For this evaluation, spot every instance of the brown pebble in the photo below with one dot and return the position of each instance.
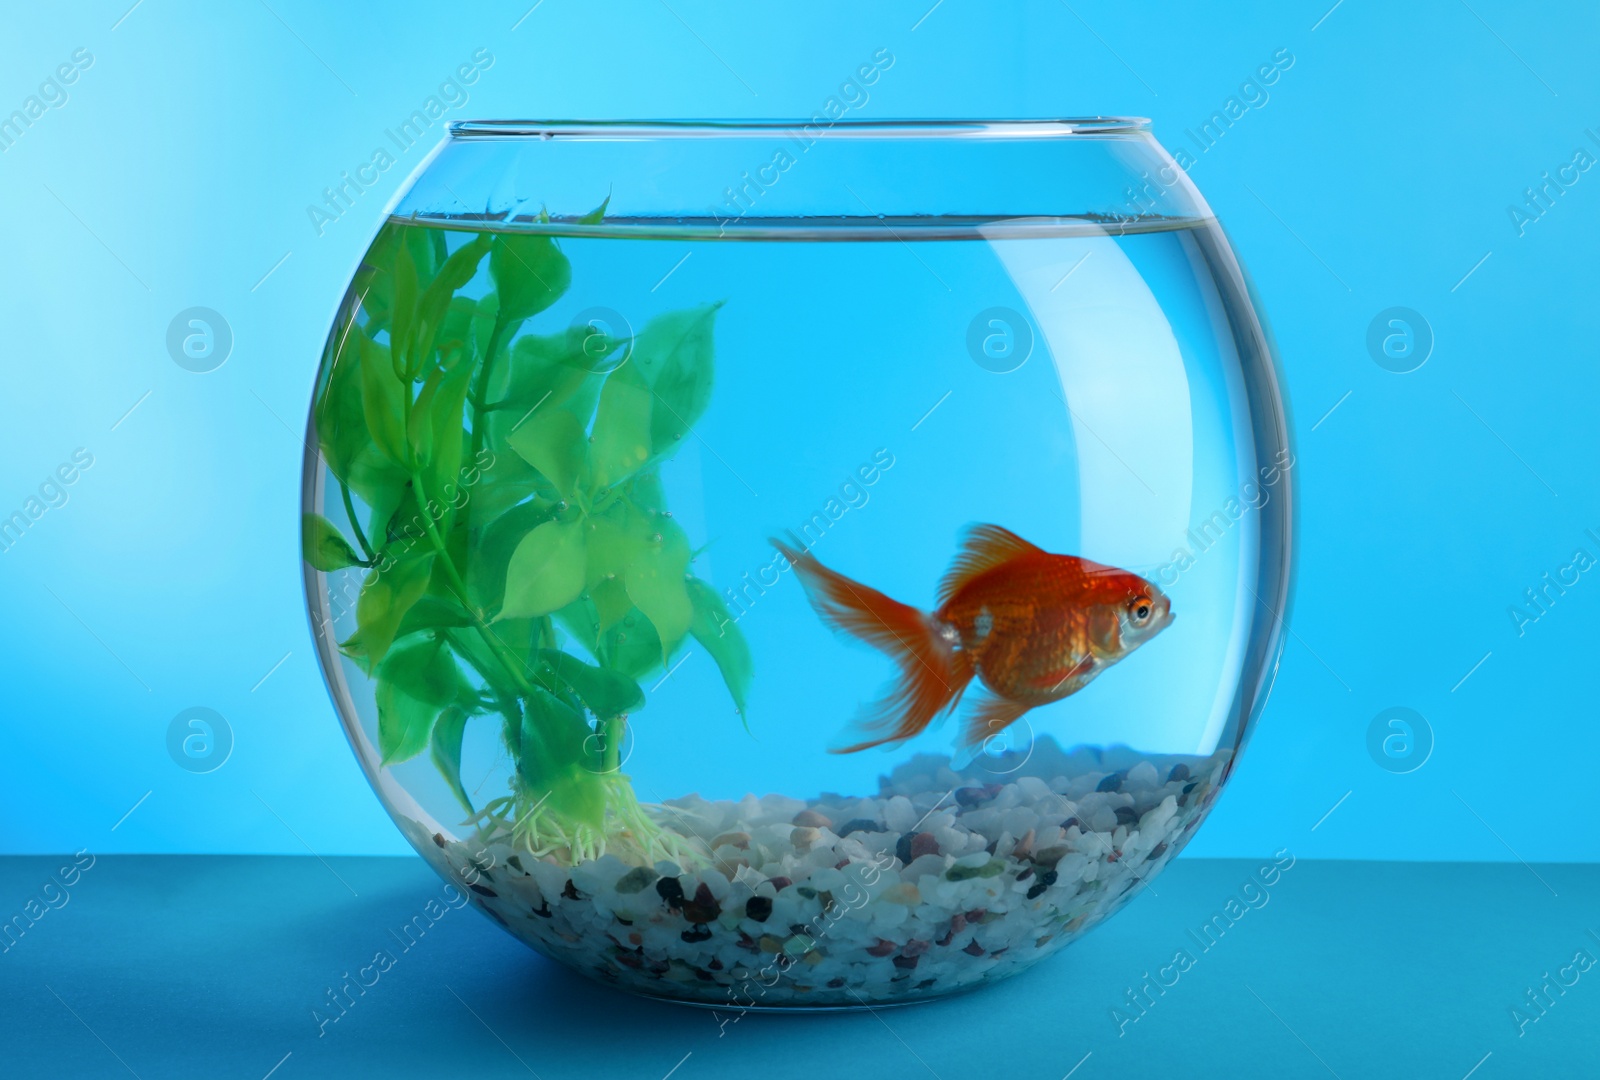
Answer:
(973, 948)
(779, 883)
(813, 819)
(914, 948)
(804, 836)
(636, 938)
(958, 923)
(740, 840)
(882, 948)
(703, 908)
(924, 843)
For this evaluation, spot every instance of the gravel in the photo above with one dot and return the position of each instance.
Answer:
(943, 880)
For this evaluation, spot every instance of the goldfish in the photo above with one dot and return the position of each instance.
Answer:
(1032, 627)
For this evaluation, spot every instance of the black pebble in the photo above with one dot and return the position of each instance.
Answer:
(482, 890)
(670, 890)
(1113, 782)
(1180, 772)
(698, 932)
(1047, 878)
(1070, 822)
(859, 824)
(758, 908)
(902, 847)
(1126, 815)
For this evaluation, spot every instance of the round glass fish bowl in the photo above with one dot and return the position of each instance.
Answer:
(803, 565)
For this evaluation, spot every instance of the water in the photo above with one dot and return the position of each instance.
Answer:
(872, 394)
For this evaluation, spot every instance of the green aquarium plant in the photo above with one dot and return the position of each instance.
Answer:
(502, 493)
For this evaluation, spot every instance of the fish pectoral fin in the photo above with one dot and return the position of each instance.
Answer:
(989, 717)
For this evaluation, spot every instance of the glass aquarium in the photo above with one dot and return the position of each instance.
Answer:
(800, 565)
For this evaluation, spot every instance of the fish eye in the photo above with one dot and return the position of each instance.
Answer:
(1141, 609)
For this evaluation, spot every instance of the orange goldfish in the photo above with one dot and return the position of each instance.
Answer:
(1033, 626)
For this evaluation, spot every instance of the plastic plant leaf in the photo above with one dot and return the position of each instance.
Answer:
(445, 748)
(620, 443)
(491, 555)
(456, 271)
(382, 400)
(632, 645)
(580, 620)
(456, 329)
(546, 570)
(611, 602)
(530, 273)
(614, 538)
(415, 681)
(432, 612)
(714, 628)
(675, 352)
(345, 439)
(650, 403)
(545, 371)
(404, 723)
(442, 414)
(484, 322)
(605, 693)
(553, 441)
(374, 281)
(402, 321)
(385, 598)
(323, 546)
(655, 583)
(424, 668)
(597, 215)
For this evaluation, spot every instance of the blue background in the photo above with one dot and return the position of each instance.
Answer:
(1378, 174)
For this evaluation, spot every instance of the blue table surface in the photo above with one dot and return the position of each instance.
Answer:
(191, 966)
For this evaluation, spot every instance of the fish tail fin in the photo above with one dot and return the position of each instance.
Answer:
(932, 673)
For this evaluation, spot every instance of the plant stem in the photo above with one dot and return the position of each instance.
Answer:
(459, 586)
(355, 522)
(480, 391)
(612, 731)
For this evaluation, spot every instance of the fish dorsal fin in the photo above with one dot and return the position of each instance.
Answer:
(983, 548)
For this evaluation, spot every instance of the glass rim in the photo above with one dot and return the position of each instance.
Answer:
(815, 127)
